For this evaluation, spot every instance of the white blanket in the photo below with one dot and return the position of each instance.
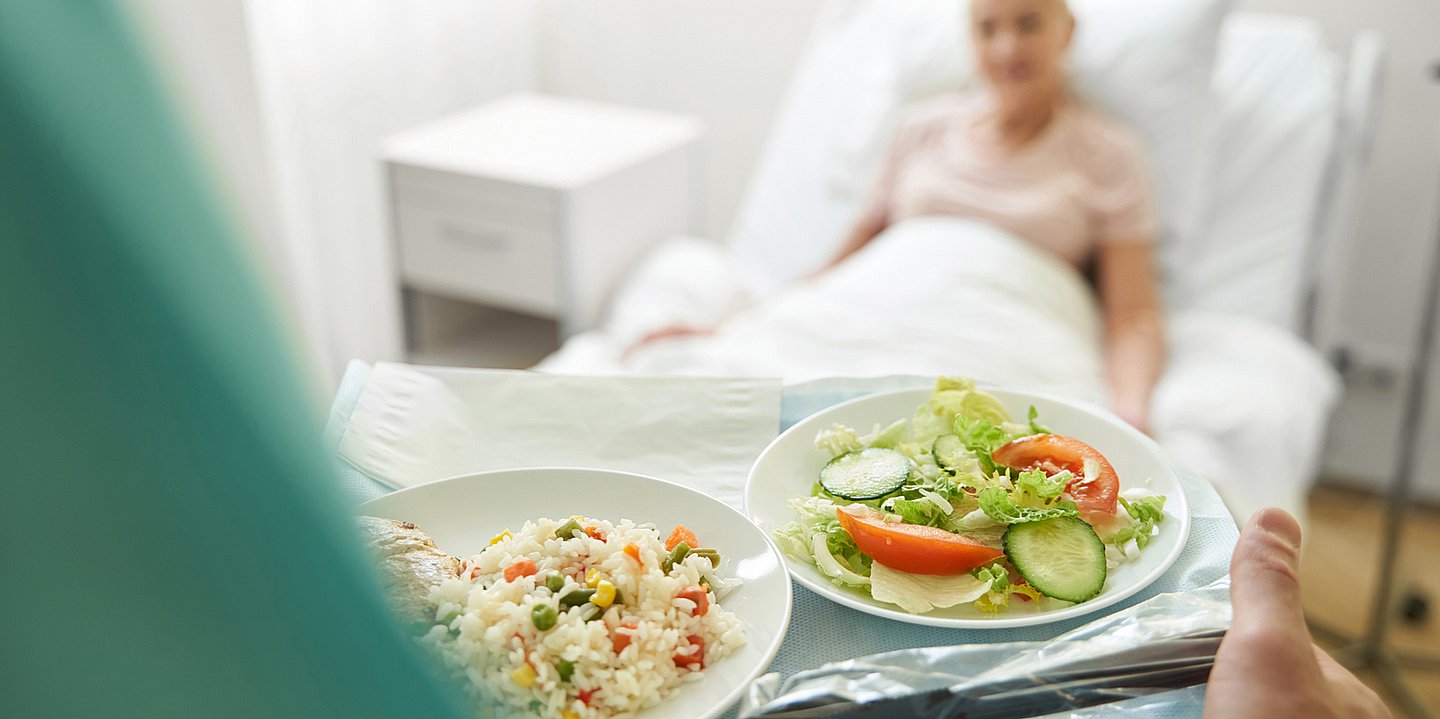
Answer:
(1243, 403)
(928, 296)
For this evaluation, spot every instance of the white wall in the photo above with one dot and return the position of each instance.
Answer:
(337, 76)
(1398, 228)
(726, 62)
(291, 100)
(202, 50)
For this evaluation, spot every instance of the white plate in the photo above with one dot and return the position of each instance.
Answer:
(791, 464)
(463, 513)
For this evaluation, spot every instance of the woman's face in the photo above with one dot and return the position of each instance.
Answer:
(1020, 46)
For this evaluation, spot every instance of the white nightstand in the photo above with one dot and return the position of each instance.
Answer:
(537, 204)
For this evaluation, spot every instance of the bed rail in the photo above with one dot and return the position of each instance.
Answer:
(1337, 224)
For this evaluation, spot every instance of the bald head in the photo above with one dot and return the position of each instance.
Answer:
(1020, 48)
(1059, 8)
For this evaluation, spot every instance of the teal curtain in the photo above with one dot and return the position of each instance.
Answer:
(172, 543)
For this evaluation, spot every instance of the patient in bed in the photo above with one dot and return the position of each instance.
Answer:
(1025, 155)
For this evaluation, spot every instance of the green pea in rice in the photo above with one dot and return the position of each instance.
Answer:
(486, 627)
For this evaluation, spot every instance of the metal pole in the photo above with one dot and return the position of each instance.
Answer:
(1397, 503)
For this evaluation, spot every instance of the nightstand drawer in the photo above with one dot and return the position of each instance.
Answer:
(478, 259)
(469, 184)
(508, 204)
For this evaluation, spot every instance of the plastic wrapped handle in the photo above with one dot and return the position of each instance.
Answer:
(1139, 658)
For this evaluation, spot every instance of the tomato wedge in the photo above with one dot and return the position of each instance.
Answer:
(915, 548)
(1055, 452)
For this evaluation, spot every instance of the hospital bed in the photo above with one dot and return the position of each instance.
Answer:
(1259, 134)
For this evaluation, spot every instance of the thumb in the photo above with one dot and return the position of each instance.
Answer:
(1265, 576)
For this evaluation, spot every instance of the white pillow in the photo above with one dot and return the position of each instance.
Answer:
(840, 95)
(1146, 61)
(1278, 85)
(1150, 63)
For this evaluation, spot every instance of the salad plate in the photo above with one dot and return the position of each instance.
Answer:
(463, 514)
(787, 474)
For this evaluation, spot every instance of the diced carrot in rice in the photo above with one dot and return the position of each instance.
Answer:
(681, 534)
(522, 568)
(699, 596)
(692, 656)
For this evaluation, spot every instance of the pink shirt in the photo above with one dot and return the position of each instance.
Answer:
(1079, 183)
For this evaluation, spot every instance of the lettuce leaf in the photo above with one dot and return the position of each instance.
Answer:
(918, 511)
(1037, 484)
(1147, 512)
(979, 405)
(816, 537)
(981, 437)
(839, 440)
(978, 526)
(1001, 589)
(1149, 509)
(842, 547)
(948, 383)
(1036, 427)
(831, 567)
(996, 503)
(889, 437)
(920, 593)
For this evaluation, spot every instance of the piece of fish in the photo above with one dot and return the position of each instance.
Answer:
(410, 565)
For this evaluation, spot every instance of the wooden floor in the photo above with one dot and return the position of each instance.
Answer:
(1340, 566)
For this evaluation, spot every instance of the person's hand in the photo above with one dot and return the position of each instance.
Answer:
(665, 333)
(1267, 667)
(1136, 418)
(1136, 414)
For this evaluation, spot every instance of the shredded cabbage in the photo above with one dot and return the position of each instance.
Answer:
(816, 537)
(981, 437)
(1036, 427)
(920, 593)
(887, 438)
(918, 511)
(999, 589)
(978, 526)
(839, 440)
(1147, 512)
(996, 503)
(831, 567)
(1040, 486)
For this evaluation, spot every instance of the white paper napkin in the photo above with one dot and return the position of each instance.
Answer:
(416, 424)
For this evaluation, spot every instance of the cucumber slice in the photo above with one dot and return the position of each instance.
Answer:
(867, 474)
(1061, 558)
(949, 451)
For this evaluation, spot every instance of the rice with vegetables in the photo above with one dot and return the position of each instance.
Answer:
(581, 618)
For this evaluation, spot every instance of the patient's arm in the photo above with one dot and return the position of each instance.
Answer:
(1134, 327)
(870, 225)
(668, 332)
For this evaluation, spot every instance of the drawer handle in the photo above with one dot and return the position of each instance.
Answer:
(473, 239)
